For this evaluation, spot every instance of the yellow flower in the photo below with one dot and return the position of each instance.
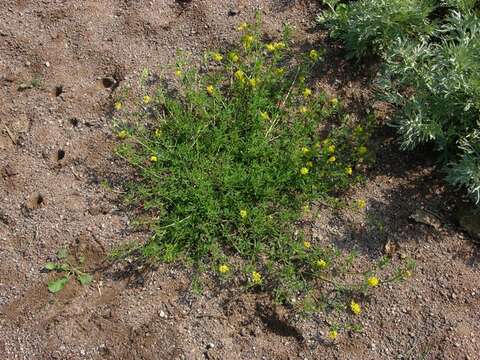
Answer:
(334, 102)
(243, 213)
(217, 57)
(270, 47)
(304, 171)
(248, 41)
(118, 105)
(178, 73)
(322, 264)
(373, 281)
(224, 269)
(158, 133)
(362, 150)
(122, 134)
(361, 203)
(348, 170)
(280, 71)
(153, 158)
(279, 45)
(310, 164)
(240, 75)
(355, 307)
(306, 209)
(331, 149)
(305, 150)
(253, 82)
(256, 278)
(147, 99)
(210, 89)
(242, 27)
(233, 57)
(408, 273)
(332, 159)
(264, 115)
(317, 145)
(307, 244)
(332, 334)
(303, 109)
(307, 92)
(314, 55)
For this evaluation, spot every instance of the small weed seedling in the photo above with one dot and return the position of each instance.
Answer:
(34, 83)
(65, 267)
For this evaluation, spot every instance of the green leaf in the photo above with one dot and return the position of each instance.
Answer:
(55, 286)
(63, 267)
(50, 266)
(84, 279)
(23, 87)
(62, 253)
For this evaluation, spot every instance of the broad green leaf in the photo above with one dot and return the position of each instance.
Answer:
(55, 286)
(84, 279)
(50, 266)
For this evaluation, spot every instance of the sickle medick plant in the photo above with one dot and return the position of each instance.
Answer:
(233, 153)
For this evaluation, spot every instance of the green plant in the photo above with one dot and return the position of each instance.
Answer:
(432, 77)
(34, 83)
(370, 27)
(233, 154)
(64, 265)
(444, 107)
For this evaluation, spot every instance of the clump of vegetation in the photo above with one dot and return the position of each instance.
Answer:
(371, 27)
(66, 266)
(36, 82)
(230, 157)
(431, 73)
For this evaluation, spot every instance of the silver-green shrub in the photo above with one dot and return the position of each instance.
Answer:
(431, 73)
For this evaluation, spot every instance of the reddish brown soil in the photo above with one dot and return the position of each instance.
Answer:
(47, 203)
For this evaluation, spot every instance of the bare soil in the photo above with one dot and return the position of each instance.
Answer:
(56, 151)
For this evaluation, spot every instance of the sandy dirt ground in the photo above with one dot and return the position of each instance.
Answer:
(56, 151)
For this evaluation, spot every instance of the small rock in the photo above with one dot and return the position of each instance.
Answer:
(210, 345)
(469, 220)
(34, 201)
(427, 218)
(47, 64)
